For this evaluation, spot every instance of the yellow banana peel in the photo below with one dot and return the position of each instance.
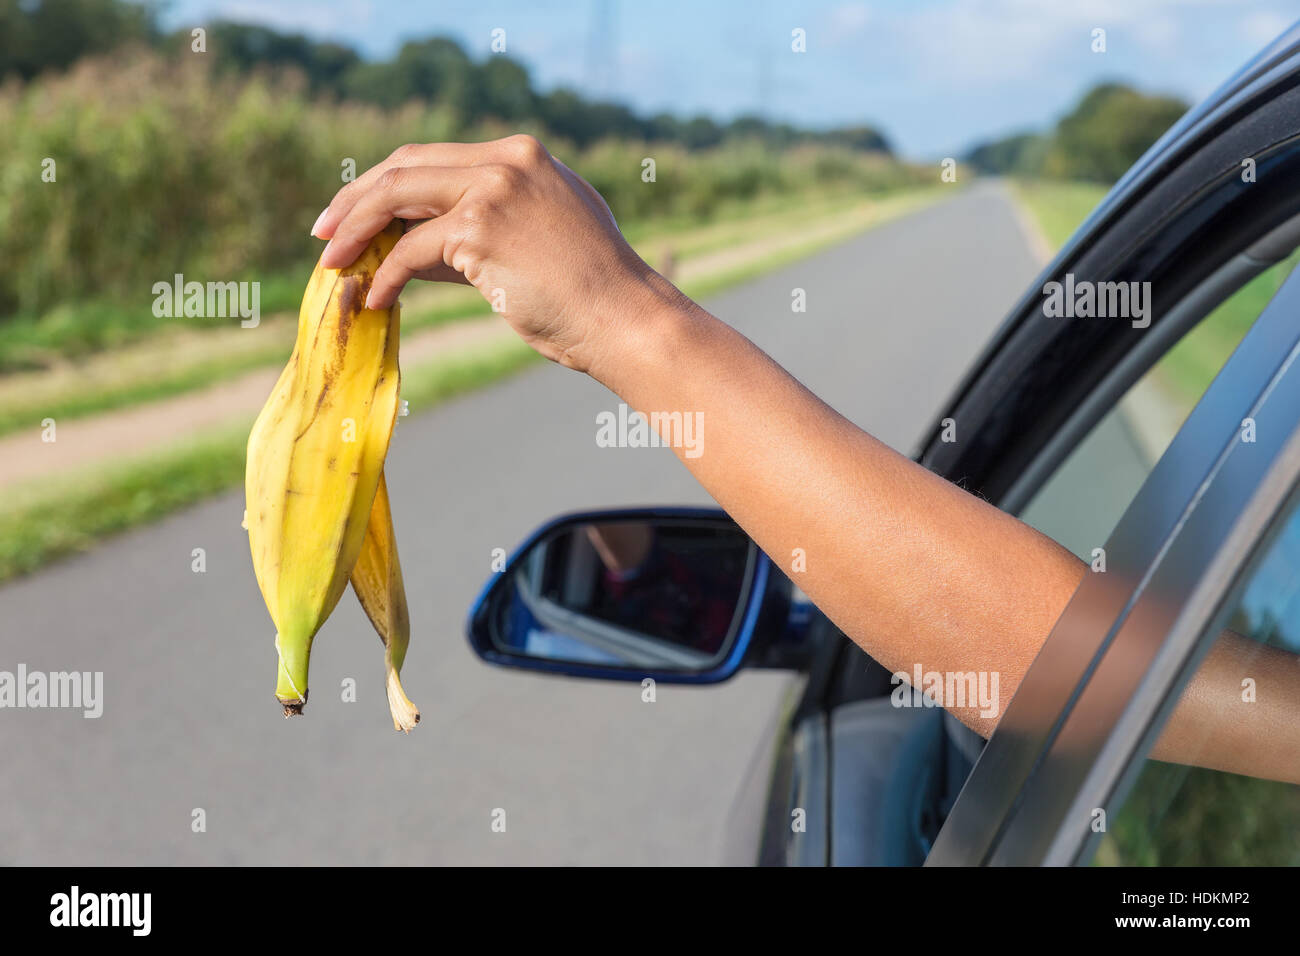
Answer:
(317, 505)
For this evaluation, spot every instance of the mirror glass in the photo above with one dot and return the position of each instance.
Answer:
(663, 593)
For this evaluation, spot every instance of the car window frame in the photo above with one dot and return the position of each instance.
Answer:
(1097, 693)
(1154, 220)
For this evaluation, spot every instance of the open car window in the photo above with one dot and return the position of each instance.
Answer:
(1053, 423)
(1083, 499)
(1199, 576)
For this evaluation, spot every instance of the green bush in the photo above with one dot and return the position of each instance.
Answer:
(166, 166)
(1108, 132)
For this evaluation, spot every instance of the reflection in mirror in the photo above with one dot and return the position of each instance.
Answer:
(663, 593)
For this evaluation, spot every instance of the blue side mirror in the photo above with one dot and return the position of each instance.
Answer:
(674, 594)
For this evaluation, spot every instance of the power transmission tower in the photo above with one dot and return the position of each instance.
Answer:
(602, 51)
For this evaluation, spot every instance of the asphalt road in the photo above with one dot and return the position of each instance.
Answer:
(585, 771)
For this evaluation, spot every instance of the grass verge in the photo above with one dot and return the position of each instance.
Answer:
(186, 360)
(1059, 208)
(46, 520)
(1187, 369)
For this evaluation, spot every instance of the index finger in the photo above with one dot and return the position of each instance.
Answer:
(412, 154)
(401, 192)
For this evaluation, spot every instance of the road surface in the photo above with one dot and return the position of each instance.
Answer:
(585, 771)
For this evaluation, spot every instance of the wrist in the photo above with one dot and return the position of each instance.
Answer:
(645, 334)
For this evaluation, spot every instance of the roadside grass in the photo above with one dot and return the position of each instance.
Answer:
(74, 331)
(1193, 816)
(182, 360)
(46, 519)
(82, 398)
(1187, 369)
(1058, 207)
(41, 522)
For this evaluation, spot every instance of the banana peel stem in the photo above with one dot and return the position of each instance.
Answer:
(287, 691)
(405, 714)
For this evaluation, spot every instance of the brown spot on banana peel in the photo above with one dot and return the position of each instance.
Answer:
(352, 299)
(343, 330)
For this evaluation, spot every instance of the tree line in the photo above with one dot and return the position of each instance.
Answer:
(1097, 141)
(36, 37)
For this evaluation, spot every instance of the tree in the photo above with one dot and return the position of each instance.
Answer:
(1020, 154)
(862, 138)
(436, 70)
(54, 34)
(506, 88)
(36, 35)
(701, 132)
(243, 47)
(1108, 131)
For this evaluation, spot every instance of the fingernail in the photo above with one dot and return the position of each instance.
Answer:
(370, 299)
(319, 219)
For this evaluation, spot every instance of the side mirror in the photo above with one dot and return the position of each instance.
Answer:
(676, 594)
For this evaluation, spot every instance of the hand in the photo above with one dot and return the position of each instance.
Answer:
(536, 240)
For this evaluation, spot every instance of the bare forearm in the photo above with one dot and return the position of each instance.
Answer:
(913, 569)
(1237, 713)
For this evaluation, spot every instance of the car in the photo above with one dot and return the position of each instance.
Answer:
(1186, 509)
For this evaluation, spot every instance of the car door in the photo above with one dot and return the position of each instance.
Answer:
(1057, 423)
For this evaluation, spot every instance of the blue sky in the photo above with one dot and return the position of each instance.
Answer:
(935, 75)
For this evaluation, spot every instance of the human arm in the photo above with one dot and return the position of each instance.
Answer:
(910, 567)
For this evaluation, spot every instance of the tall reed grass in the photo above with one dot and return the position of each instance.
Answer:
(163, 167)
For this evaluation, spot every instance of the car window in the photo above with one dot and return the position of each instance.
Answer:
(1084, 498)
(1063, 717)
(1176, 815)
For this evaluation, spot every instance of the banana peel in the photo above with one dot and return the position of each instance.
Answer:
(314, 473)
(377, 581)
